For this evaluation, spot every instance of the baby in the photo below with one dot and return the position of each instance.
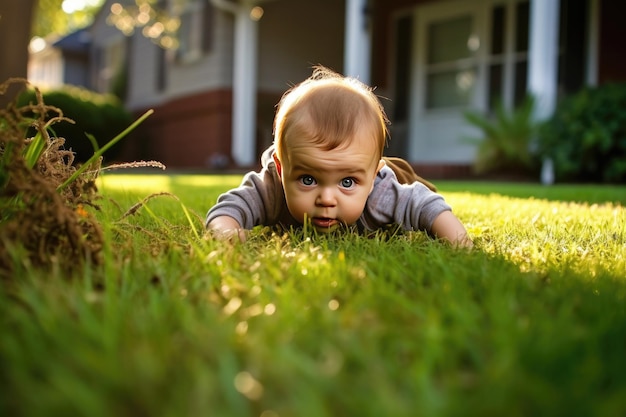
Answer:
(326, 167)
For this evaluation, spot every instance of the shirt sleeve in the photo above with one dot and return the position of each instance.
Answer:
(413, 206)
(256, 201)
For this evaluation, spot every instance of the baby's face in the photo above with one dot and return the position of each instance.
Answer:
(329, 187)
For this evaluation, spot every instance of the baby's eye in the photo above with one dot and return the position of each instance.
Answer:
(347, 182)
(307, 180)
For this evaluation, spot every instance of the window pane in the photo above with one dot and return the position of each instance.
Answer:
(449, 89)
(184, 33)
(111, 61)
(207, 26)
(521, 27)
(449, 40)
(495, 85)
(521, 73)
(497, 32)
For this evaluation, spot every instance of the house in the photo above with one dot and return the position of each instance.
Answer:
(214, 96)
(54, 62)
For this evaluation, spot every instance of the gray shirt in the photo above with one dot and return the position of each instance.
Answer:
(260, 200)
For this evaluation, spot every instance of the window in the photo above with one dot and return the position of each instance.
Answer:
(508, 54)
(195, 32)
(110, 63)
(496, 67)
(450, 62)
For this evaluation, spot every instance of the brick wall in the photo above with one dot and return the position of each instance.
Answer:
(189, 132)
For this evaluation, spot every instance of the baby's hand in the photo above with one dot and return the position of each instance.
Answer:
(230, 235)
(226, 228)
(447, 226)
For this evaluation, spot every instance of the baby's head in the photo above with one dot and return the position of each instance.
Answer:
(326, 110)
(329, 132)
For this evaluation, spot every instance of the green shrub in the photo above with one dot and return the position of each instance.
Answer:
(504, 146)
(101, 116)
(586, 137)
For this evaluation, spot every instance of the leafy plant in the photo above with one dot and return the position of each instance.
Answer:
(505, 144)
(586, 137)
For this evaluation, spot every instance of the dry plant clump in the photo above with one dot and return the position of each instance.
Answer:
(45, 221)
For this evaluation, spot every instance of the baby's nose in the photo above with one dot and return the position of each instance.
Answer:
(326, 197)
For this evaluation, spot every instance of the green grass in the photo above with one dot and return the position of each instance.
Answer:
(530, 322)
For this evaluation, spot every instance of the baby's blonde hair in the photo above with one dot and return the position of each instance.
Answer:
(327, 109)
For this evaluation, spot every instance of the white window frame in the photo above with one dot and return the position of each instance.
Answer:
(509, 57)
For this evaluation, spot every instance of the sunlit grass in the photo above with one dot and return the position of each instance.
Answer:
(158, 182)
(196, 192)
(544, 234)
(191, 188)
(530, 322)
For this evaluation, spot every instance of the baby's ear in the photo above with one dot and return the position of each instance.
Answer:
(279, 167)
(381, 164)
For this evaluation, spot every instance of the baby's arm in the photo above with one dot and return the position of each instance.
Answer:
(226, 228)
(448, 227)
(253, 203)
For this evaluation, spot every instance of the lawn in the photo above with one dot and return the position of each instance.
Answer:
(532, 321)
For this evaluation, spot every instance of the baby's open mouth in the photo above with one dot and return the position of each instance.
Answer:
(324, 222)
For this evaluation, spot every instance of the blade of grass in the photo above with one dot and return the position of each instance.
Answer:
(34, 150)
(93, 141)
(188, 216)
(102, 150)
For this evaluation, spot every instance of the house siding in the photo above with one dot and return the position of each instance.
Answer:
(73, 71)
(212, 70)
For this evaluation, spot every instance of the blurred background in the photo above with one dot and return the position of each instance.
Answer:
(465, 83)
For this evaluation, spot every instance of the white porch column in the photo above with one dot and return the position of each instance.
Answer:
(243, 143)
(543, 55)
(592, 43)
(357, 41)
(244, 88)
